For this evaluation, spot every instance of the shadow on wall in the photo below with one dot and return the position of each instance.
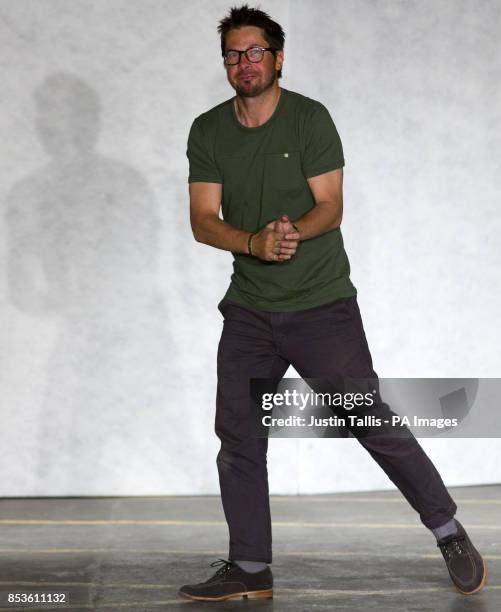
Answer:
(82, 245)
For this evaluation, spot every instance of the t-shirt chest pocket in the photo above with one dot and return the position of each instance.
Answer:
(283, 171)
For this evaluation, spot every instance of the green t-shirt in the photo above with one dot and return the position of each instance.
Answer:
(263, 171)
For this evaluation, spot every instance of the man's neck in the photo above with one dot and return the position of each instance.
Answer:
(253, 112)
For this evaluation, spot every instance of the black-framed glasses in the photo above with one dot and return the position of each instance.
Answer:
(254, 54)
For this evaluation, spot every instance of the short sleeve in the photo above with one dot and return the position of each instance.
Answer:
(323, 150)
(202, 165)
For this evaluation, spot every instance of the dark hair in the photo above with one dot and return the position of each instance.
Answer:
(245, 16)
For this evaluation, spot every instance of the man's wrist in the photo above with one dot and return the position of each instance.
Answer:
(249, 244)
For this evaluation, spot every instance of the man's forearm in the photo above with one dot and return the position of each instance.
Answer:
(215, 232)
(322, 218)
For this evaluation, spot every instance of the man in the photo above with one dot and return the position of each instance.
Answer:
(274, 160)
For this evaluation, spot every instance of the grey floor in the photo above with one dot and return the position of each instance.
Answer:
(358, 551)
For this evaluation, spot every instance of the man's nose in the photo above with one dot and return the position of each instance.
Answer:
(244, 60)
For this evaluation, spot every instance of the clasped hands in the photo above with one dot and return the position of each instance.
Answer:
(277, 241)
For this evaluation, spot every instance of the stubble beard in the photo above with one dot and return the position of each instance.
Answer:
(257, 89)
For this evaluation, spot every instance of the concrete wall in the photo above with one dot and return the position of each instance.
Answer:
(108, 306)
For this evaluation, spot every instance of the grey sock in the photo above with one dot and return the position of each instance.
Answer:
(251, 566)
(445, 530)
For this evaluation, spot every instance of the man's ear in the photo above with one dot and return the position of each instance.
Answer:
(279, 60)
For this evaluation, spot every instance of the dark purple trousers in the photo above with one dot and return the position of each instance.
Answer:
(322, 342)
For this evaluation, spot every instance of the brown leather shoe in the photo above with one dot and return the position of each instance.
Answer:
(465, 564)
(231, 582)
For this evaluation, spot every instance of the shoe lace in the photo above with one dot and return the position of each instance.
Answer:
(452, 545)
(226, 565)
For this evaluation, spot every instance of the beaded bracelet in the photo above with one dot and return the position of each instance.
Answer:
(249, 244)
